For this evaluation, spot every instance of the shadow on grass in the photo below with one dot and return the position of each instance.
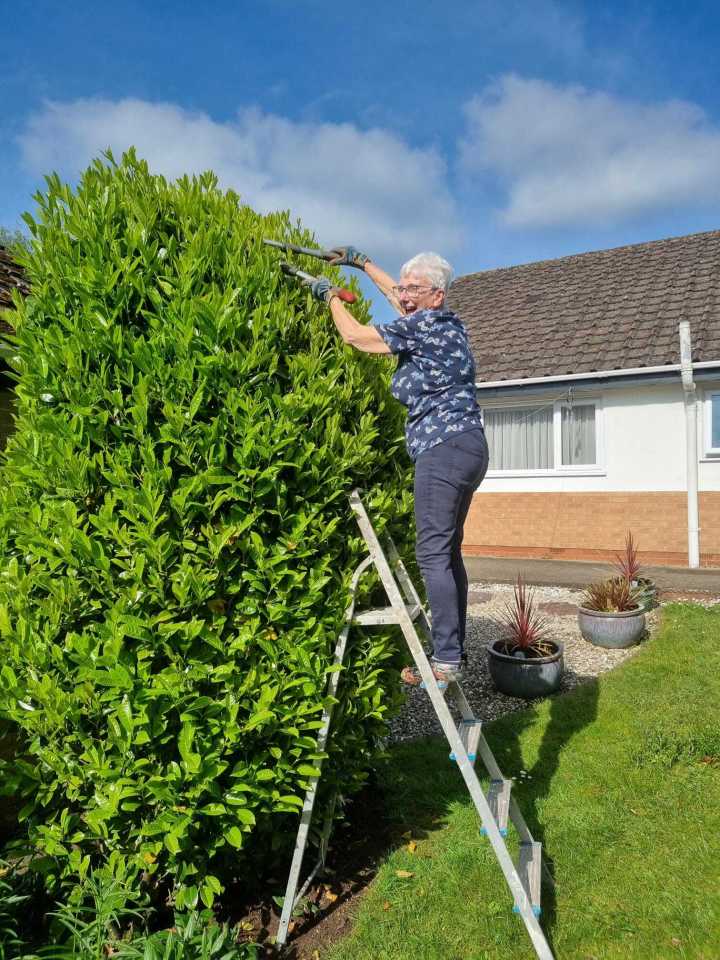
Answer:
(421, 786)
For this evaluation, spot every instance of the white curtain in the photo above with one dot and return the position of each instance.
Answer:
(520, 438)
(715, 421)
(578, 435)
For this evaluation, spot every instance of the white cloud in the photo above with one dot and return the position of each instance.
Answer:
(367, 187)
(568, 155)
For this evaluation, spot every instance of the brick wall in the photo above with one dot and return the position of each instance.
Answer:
(590, 526)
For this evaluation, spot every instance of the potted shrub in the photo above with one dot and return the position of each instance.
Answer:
(628, 567)
(524, 662)
(612, 614)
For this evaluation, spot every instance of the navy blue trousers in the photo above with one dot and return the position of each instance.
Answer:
(446, 477)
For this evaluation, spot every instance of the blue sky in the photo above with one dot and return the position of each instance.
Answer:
(493, 132)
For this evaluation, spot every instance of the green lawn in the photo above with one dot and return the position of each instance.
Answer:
(619, 779)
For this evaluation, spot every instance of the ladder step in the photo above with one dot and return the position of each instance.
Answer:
(469, 731)
(528, 868)
(384, 615)
(498, 798)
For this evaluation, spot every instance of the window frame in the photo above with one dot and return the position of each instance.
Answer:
(597, 469)
(709, 452)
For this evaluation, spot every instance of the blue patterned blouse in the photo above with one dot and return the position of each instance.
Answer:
(435, 377)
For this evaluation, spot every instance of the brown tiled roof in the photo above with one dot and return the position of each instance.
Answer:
(609, 310)
(11, 278)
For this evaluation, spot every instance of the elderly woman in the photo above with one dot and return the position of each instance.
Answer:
(435, 380)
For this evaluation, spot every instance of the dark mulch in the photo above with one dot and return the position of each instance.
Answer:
(558, 608)
(357, 847)
(681, 596)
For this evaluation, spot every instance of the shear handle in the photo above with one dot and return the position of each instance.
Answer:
(308, 251)
(347, 295)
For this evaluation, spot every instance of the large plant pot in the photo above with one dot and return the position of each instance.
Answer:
(526, 678)
(614, 630)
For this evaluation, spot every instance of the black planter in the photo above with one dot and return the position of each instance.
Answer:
(526, 678)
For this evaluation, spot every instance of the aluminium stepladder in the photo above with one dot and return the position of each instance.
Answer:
(466, 742)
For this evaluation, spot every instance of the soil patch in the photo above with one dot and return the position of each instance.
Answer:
(558, 608)
(689, 596)
(358, 845)
(479, 596)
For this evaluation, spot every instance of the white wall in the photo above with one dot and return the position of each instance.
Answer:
(641, 440)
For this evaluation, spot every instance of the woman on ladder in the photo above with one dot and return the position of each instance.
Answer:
(435, 380)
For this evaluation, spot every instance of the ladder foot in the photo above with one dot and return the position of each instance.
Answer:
(536, 910)
(503, 832)
(471, 757)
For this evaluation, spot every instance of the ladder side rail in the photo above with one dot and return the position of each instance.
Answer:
(518, 821)
(400, 571)
(311, 792)
(443, 714)
(387, 576)
(460, 699)
(408, 588)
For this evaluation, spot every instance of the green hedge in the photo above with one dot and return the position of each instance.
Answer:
(176, 535)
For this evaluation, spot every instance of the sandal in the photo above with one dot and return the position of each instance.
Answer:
(444, 674)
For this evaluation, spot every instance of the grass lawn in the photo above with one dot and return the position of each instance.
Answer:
(620, 780)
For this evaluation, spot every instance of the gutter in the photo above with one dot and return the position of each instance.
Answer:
(690, 397)
(594, 375)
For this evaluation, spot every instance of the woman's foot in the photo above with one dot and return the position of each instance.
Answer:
(444, 673)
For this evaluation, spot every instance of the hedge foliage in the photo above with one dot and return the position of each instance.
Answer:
(176, 539)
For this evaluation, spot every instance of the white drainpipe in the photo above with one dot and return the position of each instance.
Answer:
(686, 372)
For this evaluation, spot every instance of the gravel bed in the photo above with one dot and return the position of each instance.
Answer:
(486, 603)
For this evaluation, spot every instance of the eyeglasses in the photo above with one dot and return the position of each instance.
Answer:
(412, 290)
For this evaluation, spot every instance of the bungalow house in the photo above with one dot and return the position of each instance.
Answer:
(579, 369)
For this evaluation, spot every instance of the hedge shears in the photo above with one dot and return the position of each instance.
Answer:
(290, 269)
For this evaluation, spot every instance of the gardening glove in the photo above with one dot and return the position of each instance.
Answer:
(322, 289)
(349, 257)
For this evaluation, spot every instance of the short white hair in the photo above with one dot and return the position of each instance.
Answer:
(430, 265)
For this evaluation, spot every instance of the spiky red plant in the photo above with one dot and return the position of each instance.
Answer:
(526, 627)
(627, 563)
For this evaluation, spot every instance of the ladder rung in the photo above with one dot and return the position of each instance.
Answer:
(498, 798)
(384, 615)
(469, 731)
(528, 868)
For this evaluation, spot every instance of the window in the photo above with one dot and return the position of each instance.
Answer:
(578, 434)
(520, 438)
(712, 422)
(554, 436)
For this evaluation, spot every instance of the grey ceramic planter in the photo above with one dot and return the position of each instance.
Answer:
(613, 630)
(536, 677)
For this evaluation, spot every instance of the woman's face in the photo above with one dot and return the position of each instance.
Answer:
(416, 292)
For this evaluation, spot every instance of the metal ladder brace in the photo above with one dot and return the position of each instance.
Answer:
(466, 742)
